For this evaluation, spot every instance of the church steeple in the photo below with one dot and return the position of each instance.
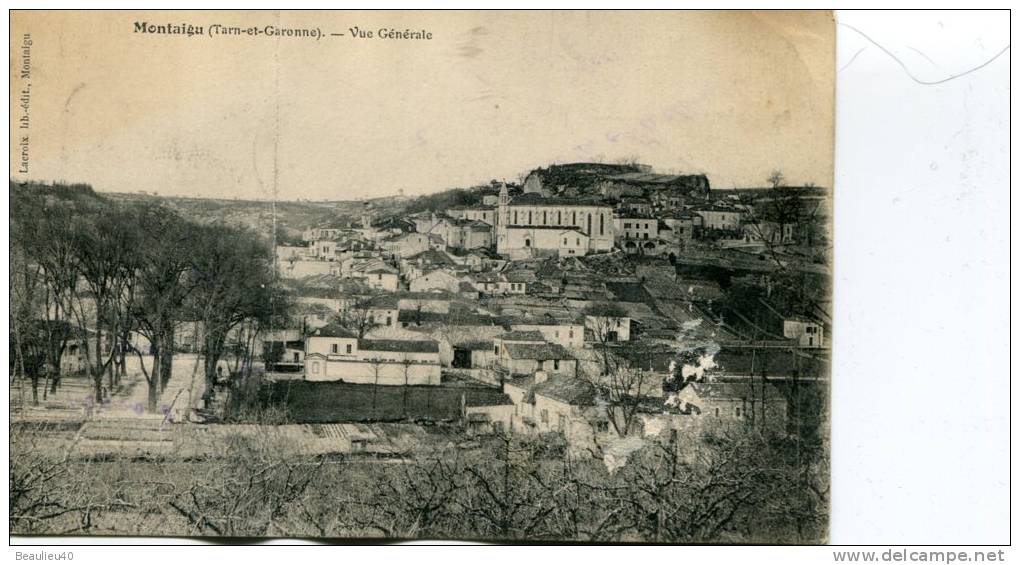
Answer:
(502, 216)
(504, 195)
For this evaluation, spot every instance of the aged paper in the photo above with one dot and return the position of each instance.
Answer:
(559, 275)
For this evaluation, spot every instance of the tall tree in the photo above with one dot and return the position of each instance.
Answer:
(104, 245)
(163, 267)
(233, 283)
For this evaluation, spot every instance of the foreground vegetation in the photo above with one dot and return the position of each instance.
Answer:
(733, 488)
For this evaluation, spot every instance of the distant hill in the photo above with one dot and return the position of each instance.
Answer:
(78, 194)
(291, 217)
(610, 180)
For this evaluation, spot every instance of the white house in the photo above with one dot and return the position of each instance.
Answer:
(435, 279)
(378, 276)
(608, 328)
(719, 218)
(561, 404)
(335, 354)
(407, 244)
(566, 334)
(496, 284)
(480, 213)
(522, 353)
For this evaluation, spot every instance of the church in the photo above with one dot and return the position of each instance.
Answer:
(531, 225)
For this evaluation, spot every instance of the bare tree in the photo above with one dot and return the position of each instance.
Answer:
(621, 391)
(158, 291)
(415, 500)
(506, 494)
(254, 489)
(605, 319)
(53, 489)
(357, 316)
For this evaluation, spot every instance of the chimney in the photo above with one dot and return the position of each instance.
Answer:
(541, 377)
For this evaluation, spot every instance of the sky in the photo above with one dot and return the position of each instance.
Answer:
(734, 95)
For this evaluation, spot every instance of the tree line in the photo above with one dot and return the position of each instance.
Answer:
(109, 277)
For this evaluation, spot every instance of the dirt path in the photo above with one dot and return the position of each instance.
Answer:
(74, 399)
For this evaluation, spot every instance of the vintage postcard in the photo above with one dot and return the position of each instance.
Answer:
(520, 276)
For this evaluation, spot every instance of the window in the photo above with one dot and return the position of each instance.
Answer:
(578, 242)
(571, 334)
(348, 349)
(495, 350)
(544, 217)
(557, 334)
(574, 221)
(559, 218)
(545, 416)
(334, 348)
(738, 412)
(602, 224)
(389, 320)
(515, 216)
(564, 241)
(529, 217)
(315, 368)
(556, 364)
(626, 225)
(561, 422)
(601, 427)
(717, 412)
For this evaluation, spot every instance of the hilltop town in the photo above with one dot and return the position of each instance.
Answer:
(603, 314)
(554, 290)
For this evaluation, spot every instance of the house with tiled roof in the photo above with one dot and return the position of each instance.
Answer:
(521, 353)
(719, 218)
(406, 245)
(477, 212)
(741, 403)
(437, 278)
(555, 403)
(375, 273)
(488, 414)
(495, 284)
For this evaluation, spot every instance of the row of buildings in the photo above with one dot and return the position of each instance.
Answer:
(520, 292)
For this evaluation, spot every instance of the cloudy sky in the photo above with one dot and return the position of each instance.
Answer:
(492, 95)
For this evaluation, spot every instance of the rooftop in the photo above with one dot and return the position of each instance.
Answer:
(487, 400)
(535, 199)
(566, 389)
(525, 335)
(334, 330)
(537, 351)
(421, 346)
(734, 391)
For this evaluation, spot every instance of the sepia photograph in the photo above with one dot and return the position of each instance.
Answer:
(385, 276)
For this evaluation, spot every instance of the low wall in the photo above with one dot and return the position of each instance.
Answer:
(330, 402)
